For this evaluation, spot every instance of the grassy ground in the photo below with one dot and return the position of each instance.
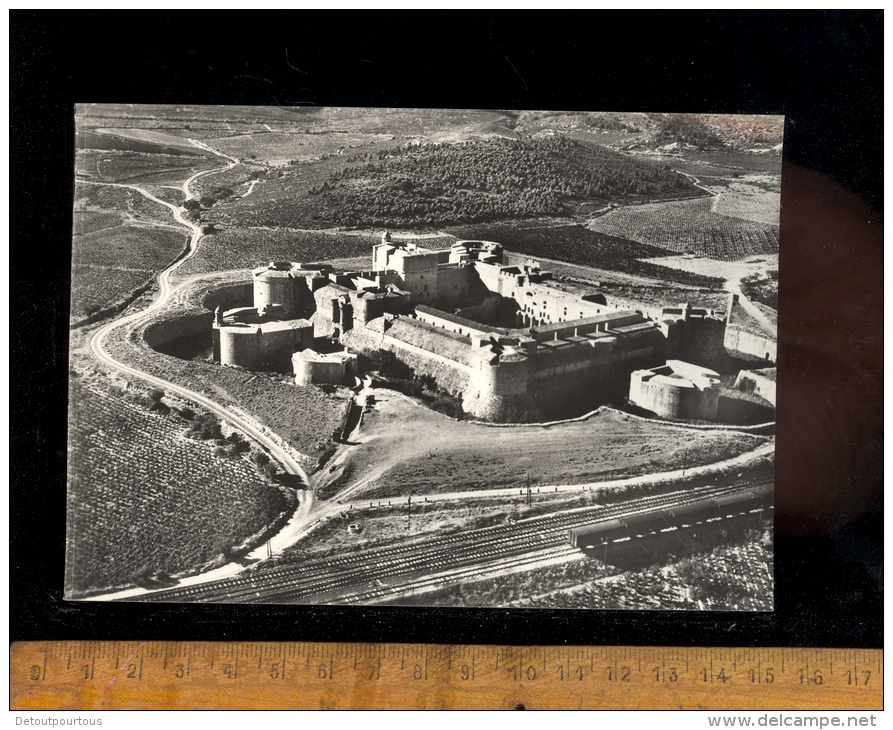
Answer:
(406, 447)
(144, 498)
(754, 197)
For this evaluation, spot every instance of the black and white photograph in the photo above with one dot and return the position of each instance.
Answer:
(423, 357)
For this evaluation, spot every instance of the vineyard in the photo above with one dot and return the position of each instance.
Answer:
(690, 226)
(305, 417)
(172, 195)
(108, 264)
(246, 248)
(90, 221)
(733, 577)
(579, 245)
(738, 577)
(145, 499)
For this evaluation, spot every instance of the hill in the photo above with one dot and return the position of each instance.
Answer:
(481, 180)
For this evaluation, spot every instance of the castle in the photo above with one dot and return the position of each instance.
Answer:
(505, 337)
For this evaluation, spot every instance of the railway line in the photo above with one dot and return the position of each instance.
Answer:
(342, 578)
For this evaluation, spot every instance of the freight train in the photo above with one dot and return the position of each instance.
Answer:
(749, 506)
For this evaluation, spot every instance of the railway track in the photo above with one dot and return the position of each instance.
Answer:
(335, 579)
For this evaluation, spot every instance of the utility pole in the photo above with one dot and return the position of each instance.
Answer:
(409, 512)
(528, 489)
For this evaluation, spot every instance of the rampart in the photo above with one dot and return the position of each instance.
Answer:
(677, 390)
(759, 347)
(161, 332)
(507, 339)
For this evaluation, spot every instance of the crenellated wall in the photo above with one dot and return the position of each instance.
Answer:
(740, 342)
(162, 331)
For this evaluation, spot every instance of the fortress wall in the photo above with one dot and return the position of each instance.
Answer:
(670, 401)
(161, 332)
(420, 277)
(464, 328)
(456, 284)
(230, 296)
(450, 375)
(484, 311)
(245, 347)
(431, 339)
(277, 287)
(319, 373)
(738, 341)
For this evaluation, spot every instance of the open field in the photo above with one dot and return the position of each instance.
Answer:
(753, 197)
(405, 446)
(690, 226)
(135, 140)
(139, 167)
(279, 148)
(716, 268)
(109, 263)
(145, 499)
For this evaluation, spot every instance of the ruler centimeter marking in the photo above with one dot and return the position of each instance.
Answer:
(210, 675)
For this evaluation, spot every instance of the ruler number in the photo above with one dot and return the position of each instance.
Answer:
(665, 676)
(578, 671)
(182, 671)
(34, 674)
(721, 677)
(529, 673)
(814, 678)
(325, 672)
(277, 670)
(767, 678)
(852, 678)
(465, 672)
(615, 675)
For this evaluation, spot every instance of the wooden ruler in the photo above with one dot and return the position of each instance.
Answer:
(290, 675)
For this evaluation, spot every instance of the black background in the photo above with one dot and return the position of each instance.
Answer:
(822, 69)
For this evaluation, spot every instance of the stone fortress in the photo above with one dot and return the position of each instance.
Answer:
(507, 339)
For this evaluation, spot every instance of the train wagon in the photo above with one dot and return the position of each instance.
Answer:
(739, 506)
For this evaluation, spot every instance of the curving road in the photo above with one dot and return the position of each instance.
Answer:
(97, 345)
